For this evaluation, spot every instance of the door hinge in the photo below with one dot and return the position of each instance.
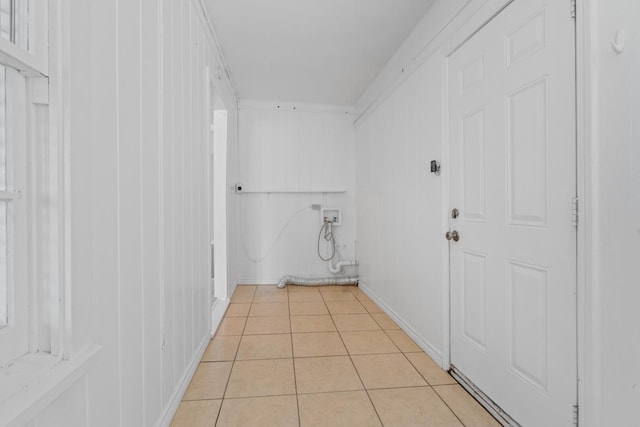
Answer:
(575, 206)
(573, 9)
(575, 414)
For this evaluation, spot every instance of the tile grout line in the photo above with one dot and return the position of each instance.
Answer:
(235, 357)
(416, 369)
(293, 360)
(423, 377)
(428, 385)
(410, 362)
(435, 389)
(367, 389)
(447, 405)
(297, 394)
(364, 387)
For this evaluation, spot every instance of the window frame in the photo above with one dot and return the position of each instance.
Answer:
(36, 328)
(34, 60)
(14, 337)
(44, 251)
(37, 378)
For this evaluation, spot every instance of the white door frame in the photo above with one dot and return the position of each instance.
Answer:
(219, 214)
(588, 316)
(217, 206)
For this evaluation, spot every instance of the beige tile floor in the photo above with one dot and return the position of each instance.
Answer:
(328, 356)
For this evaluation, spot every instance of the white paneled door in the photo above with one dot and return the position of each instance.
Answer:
(513, 180)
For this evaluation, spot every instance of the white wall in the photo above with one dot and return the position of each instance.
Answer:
(432, 30)
(150, 234)
(398, 133)
(399, 222)
(609, 341)
(135, 125)
(288, 160)
(614, 342)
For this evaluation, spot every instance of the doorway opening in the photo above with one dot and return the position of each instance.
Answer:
(217, 115)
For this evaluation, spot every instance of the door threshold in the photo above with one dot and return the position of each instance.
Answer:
(498, 413)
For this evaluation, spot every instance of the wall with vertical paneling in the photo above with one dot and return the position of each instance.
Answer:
(157, 203)
(290, 157)
(134, 94)
(610, 215)
(399, 204)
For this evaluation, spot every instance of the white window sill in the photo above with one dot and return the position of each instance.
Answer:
(33, 381)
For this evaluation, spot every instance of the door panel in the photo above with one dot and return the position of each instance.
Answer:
(474, 299)
(513, 169)
(473, 167)
(527, 132)
(528, 323)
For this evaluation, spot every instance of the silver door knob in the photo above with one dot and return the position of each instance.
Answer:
(452, 235)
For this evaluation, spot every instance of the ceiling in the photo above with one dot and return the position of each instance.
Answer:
(311, 51)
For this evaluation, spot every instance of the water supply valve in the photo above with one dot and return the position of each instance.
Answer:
(332, 215)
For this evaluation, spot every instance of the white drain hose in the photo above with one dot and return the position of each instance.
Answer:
(317, 281)
(327, 230)
(338, 267)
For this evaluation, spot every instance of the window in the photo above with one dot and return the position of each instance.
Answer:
(5, 249)
(13, 234)
(28, 297)
(14, 22)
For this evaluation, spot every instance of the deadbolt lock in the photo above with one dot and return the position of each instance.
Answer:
(452, 235)
(455, 213)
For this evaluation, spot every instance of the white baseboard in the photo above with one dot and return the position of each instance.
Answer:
(429, 348)
(217, 313)
(176, 398)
